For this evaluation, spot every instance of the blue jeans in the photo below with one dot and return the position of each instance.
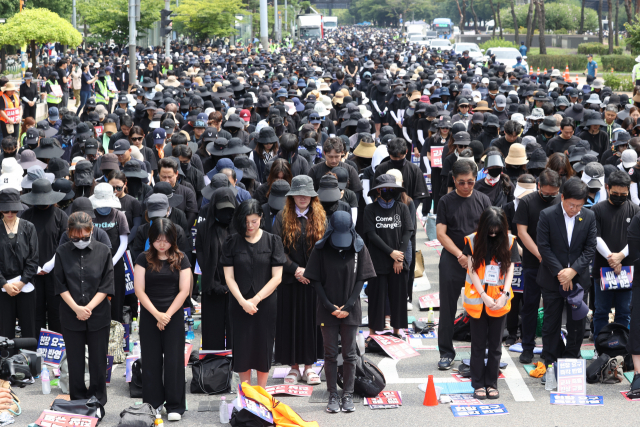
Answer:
(84, 96)
(605, 300)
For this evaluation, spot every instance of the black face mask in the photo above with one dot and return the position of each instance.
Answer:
(476, 127)
(328, 206)
(547, 198)
(185, 166)
(494, 172)
(224, 216)
(491, 130)
(397, 164)
(617, 200)
(11, 154)
(389, 195)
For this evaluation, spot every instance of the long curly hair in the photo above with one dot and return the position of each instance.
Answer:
(316, 224)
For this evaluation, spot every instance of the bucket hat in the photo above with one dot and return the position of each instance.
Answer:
(83, 175)
(48, 149)
(328, 190)
(132, 169)
(34, 173)
(64, 186)
(302, 185)
(42, 194)
(104, 197)
(10, 200)
(58, 167)
(235, 146)
(218, 181)
(517, 155)
(537, 159)
(385, 181)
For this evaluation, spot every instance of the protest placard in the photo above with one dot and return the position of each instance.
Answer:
(573, 399)
(436, 157)
(385, 398)
(429, 300)
(50, 347)
(61, 419)
(572, 376)
(610, 281)
(254, 407)
(478, 410)
(516, 283)
(293, 390)
(109, 368)
(128, 273)
(395, 347)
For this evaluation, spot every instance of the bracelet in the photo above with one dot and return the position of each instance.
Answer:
(461, 255)
(483, 292)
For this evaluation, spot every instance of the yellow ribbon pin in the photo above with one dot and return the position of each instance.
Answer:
(579, 219)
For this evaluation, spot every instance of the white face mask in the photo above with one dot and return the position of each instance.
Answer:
(81, 244)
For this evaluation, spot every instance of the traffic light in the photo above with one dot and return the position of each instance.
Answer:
(165, 23)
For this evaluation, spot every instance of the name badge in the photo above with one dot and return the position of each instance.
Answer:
(492, 274)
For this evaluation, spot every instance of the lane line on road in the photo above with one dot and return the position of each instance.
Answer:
(390, 371)
(513, 377)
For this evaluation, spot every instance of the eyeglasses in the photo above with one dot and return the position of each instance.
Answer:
(137, 139)
(465, 183)
(463, 106)
(117, 188)
(80, 239)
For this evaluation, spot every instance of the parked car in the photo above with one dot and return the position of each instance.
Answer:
(442, 44)
(506, 55)
(474, 50)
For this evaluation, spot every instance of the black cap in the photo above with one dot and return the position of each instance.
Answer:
(121, 146)
(343, 176)
(91, 146)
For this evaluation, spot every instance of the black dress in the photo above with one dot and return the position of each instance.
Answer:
(296, 330)
(253, 335)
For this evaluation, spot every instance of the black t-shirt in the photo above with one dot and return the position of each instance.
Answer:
(350, 198)
(557, 144)
(461, 214)
(131, 208)
(495, 193)
(613, 223)
(161, 286)
(390, 225)
(338, 272)
(633, 237)
(319, 170)
(528, 213)
(350, 66)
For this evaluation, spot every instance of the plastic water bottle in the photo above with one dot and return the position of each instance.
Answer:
(136, 349)
(551, 383)
(224, 411)
(134, 325)
(190, 334)
(430, 315)
(46, 381)
(158, 421)
(360, 342)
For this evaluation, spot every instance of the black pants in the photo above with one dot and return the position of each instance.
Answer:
(435, 187)
(47, 304)
(530, 305)
(97, 342)
(411, 274)
(28, 111)
(119, 285)
(513, 317)
(216, 328)
(155, 343)
(22, 307)
(394, 287)
(452, 278)
(5, 132)
(348, 340)
(486, 333)
(633, 347)
(552, 346)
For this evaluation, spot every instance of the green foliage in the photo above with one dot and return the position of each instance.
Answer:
(561, 16)
(620, 63)
(561, 31)
(63, 8)
(39, 25)
(633, 35)
(598, 49)
(618, 83)
(109, 19)
(208, 18)
(575, 62)
(496, 42)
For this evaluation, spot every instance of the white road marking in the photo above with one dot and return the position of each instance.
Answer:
(421, 284)
(390, 371)
(513, 377)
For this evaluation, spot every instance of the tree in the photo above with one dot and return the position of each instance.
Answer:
(475, 17)
(462, 13)
(617, 23)
(495, 20)
(611, 32)
(38, 26)
(515, 22)
(541, 18)
(581, 31)
(208, 18)
(600, 21)
(530, 19)
(109, 19)
(627, 8)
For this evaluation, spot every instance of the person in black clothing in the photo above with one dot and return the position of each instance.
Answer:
(633, 347)
(253, 308)
(29, 96)
(412, 177)
(388, 226)
(50, 222)
(490, 131)
(458, 216)
(169, 171)
(439, 141)
(512, 131)
(289, 152)
(83, 280)
(333, 149)
(338, 266)
(496, 184)
(162, 278)
(597, 138)
(566, 138)
(18, 268)
(329, 195)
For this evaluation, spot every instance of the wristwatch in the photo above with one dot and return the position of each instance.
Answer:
(508, 294)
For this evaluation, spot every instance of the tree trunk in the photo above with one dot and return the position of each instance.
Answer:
(600, 39)
(464, 16)
(499, 20)
(461, 23)
(617, 23)
(475, 17)
(3, 59)
(610, 35)
(581, 30)
(515, 23)
(34, 57)
(627, 8)
(541, 19)
(530, 19)
(495, 22)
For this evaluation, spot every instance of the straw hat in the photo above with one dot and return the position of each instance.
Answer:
(517, 155)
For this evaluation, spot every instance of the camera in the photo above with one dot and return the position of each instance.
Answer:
(20, 368)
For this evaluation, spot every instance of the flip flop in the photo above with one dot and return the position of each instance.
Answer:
(293, 377)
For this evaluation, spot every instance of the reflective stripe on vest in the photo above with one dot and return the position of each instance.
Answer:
(99, 93)
(10, 104)
(51, 98)
(472, 300)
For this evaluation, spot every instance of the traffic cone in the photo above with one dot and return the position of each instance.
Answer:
(430, 398)
(566, 73)
(577, 81)
(545, 71)
(531, 70)
(538, 71)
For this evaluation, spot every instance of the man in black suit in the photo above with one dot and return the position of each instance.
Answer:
(567, 243)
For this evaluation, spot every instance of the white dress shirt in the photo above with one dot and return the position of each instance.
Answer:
(569, 222)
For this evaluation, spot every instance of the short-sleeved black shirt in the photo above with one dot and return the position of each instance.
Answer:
(461, 214)
(319, 170)
(350, 198)
(390, 225)
(131, 208)
(161, 286)
(613, 223)
(338, 272)
(528, 213)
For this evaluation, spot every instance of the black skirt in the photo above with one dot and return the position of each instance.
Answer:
(296, 328)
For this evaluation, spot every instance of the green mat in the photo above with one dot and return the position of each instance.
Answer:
(629, 376)
(529, 368)
(587, 354)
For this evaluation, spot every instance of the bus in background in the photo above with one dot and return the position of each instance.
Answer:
(443, 27)
(330, 23)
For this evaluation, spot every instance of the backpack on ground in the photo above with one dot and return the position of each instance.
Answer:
(612, 340)
(116, 340)
(369, 380)
(605, 370)
(462, 327)
(135, 386)
(212, 375)
(63, 381)
(142, 415)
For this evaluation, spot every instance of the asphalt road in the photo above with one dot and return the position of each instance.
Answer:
(525, 398)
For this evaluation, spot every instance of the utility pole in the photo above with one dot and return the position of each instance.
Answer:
(264, 25)
(167, 42)
(73, 17)
(286, 16)
(132, 42)
(275, 20)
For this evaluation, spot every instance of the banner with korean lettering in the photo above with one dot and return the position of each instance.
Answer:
(128, 273)
(572, 378)
(13, 114)
(610, 281)
(109, 369)
(99, 130)
(436, 157)
(395, 347)
(50, 347)
(293, 390)
(516, 283)
(579, 400)
(478, 410)
(61, 419)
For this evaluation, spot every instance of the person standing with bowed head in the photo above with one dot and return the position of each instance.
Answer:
(252, 261)
(83, 279)
(162, 278)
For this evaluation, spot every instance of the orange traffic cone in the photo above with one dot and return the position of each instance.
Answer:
(538, 71)
(430, 398)
(577, 81)
(566, 73)
(545, 71)
(530, 70)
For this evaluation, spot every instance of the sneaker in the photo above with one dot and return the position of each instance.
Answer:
(511, 340)
(445, 363)
(334, 403)
(526, 357)
(409, 306)
(543, 380)
(347, 403)
(174, 416)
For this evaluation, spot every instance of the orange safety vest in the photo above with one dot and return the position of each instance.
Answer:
(9, 104)
(472, 300)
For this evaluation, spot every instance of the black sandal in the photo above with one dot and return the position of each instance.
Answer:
(493, 393)
(480, 394)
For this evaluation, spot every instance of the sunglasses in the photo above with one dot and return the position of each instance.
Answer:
(137, 139)
(80, 239)
(117, 188)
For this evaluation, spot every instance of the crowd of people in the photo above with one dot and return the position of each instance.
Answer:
(291, 178)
